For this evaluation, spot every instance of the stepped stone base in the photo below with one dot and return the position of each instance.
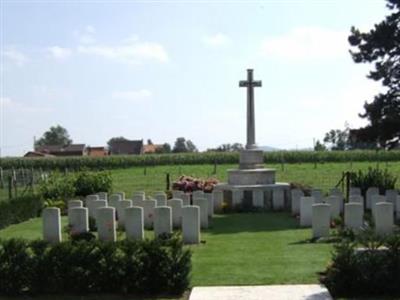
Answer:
(251, 176)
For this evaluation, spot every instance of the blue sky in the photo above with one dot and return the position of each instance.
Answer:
(165, 69)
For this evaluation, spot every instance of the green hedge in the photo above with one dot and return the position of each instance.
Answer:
(159, 266)
(19, 209)
(112, 162)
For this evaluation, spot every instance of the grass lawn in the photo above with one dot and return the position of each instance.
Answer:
(240, 249)
(325, 175)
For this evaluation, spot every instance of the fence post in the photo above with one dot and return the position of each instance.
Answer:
(347, 185)
(168, 182)
(10, 186)
(215, 167)
(1, 178)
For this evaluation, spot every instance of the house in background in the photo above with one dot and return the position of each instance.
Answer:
(97, 151)
(37, 154)
(126, 147)
(152, 148)
(57, 150)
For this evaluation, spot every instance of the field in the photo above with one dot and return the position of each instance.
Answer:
(241, 249)
(323, 176)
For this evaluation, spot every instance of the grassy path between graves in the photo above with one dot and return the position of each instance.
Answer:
(240, 249)
(323, 176)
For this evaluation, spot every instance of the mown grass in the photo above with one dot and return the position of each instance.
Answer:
(240, 249)
(323, 176)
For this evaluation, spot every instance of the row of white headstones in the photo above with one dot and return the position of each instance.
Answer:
(135, 215)
(317, 211)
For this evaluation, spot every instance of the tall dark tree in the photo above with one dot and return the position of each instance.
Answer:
(115, 139)
(183, 145)
(56, 135)
(381, 46)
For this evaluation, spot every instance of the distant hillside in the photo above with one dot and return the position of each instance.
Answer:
(268, 148)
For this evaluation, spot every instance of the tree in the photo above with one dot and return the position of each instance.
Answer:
(319, 146)
(149, 142)
(381, 45)
(113, 140)
(338, 139)
(56, 135)
(181, 145)
(227, 148)
(166, 148)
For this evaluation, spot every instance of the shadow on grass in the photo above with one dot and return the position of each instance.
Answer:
(252, 222)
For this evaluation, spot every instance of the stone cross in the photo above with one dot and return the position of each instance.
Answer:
(250, 84)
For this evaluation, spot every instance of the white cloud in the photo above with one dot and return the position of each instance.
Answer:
(307, 43)
(134, 53)
(4, 102)
(16, 106)
(138, 95)
(15, 56)
(86, 36)
(59, 52)
(216, 40)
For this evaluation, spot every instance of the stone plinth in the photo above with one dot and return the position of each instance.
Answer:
(251, 159)
(251, 176)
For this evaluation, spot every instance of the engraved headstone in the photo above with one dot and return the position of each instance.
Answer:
(203, 205)
(258, 198)
(123, 204)
(384, 218)
(176, 206)
(51, 225)
(134, 223)
(321, 219)
(370, 191)
(191, 224)
(162, 220)
(278, 199)
(306, 211)
(106, 227)
(218, 197)
(353, 215)
(78, 220)
(296, 194)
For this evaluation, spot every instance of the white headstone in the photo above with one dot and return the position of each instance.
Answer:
(51, 225)
(177, 194)
(102, 195)
(356, 199)
(94, 205)
(176, 206)
(162, 220)
(318, 195)
(321, 219)
(197, 194)
(134, 223)
(186, 199)
(122, 194)
(398, 208)
(74, 203)
(218, 197)
(336, 192)
(209, 197)
(354, 191)
(106, 227)
(121, 211)
(139, 195)
(148, 212)
(90, 198)
(258, 198)
(296, 194)
(78, 220)
(374, 200)
(391, 196)
(384, 218)
(191, 224)
(306, 211)
(278, 199)
(353, 215)
(161, 198)
(237, 197)
(203, 206)
(335, 203)
(113, 200)
(371, 191)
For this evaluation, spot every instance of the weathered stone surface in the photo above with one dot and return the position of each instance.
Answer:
(51, 225)
(122, 194)
(191, 224)
(318, 195)
(78, 220)
(186, 199)
(353, 215)
(90, 198)
(357, 199)
(106, 226)
(391, 196)
(161, 198)
(113, 200)
(306, 211)
(296, 194)
(148, 210)
(139, 195)
(278, 199)
(237, 197)
(258, 198)
(210, 200)
(176, 206)
(203, 206)
(321, 213)
(336, 192)
(398, 208)
(335, 203)
(218, 197)
(371, 191)
(94, 205)
(354, 191)
(103, 195)
(384, 218)
(74, 203)
(251, 159)
(162, 220)
(123, 204)
(134, 223)
(177, 194)
(375, 199)
(197, 194)
(251, 176)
